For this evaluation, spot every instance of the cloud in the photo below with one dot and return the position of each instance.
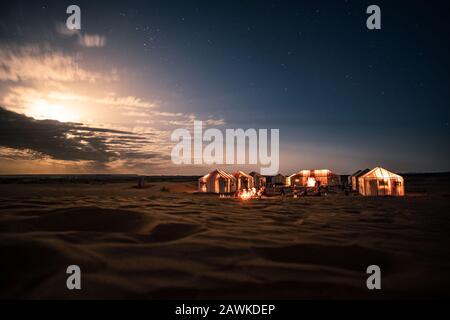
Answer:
(84, 39)
(40, 139)
(167, 114)
(38, 74)
(141, 112)
(65, 32)
(187, 121)
(37, 63)
(92, 41)
(129, 101)
(22, 98)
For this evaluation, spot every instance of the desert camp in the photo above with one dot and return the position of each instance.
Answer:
(375, 182)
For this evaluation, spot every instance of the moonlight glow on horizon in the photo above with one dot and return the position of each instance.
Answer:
(43, 110)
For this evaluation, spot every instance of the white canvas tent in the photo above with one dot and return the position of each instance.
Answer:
(217, 181)
(381, 182)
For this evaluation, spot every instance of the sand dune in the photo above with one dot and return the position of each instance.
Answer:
(147, 243)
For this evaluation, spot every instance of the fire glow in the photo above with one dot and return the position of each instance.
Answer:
(311, 182)
(250, 193)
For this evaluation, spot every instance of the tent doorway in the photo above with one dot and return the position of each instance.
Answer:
(223, 183)
(396, 188)
(373, 187)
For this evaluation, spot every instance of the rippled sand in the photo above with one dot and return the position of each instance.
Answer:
(144, 243)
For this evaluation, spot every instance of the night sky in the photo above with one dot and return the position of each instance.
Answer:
(344, 97)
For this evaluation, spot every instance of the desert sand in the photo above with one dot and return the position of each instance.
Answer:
(150, 244)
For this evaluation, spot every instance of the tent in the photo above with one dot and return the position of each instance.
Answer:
(217, 181)
(259, 180)
(279, 179)
(354, 179)
(350, 178)
(344, 180)
(309, 177)
(243, 180)
(381, 182)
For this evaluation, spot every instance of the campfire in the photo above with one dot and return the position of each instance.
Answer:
(246, 194)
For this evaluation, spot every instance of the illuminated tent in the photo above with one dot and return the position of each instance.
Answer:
(309, 177)
(354, 178)
(381, 182)
(217, 181)
(243, 180)
(259, 180)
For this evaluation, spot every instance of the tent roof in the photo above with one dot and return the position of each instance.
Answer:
(225, 174)
(220, 173)
(360, 173)
(242, 173)
(380, 173)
